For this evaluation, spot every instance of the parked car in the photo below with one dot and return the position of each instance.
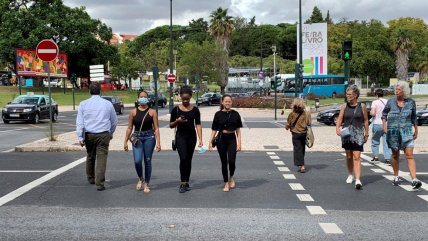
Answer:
(209, 99)
(31, 108)
(4, 79)
(389, 90)
(117, 103)
(161, 100)
(329, 116)
(422, 116)
(54, 82)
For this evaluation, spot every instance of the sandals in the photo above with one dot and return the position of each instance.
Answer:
(139, 186)
(146, 188)
(301, 169)
(226, 187)
(232, 183)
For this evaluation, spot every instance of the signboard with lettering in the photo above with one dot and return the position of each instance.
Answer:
(314, 48)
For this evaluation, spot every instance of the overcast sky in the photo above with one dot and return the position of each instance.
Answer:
(138, 16)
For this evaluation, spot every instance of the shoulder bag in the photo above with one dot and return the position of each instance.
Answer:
(133, 138)
(345, 133)
(309, 135)
(216, 139)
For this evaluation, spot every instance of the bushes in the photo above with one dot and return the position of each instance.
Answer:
(261, 102)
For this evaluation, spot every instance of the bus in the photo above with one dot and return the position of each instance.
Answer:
(319, 85)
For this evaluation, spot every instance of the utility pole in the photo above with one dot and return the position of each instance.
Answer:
(171, 100)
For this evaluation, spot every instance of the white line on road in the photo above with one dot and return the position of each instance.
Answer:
(283, 169)
(296, 186)
(271, 153)
(316, 210)
(305, 197)
(274, 157)
(405, 187)
(289, 176)
(19, 171)
(15, 130)
(424, 197)
(10, 150)
(279, 163)
(18, 192)
(330, 228)
(378, 170)
(365, 164)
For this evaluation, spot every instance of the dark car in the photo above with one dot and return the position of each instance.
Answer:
(117, 103)
(329, 117)
(30, 108)
(161, 100)
(209, 99)
(422, 116)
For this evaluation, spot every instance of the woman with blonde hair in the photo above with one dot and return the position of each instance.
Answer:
(399, 120)
(297, 123)
(354, 132)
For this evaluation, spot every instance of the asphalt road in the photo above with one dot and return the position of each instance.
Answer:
(43, 197)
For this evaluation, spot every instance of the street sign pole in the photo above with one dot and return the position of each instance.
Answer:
(346, 77)
(155, 78)
(47, 50)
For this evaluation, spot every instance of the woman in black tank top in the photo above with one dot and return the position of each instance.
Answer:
(144, 121)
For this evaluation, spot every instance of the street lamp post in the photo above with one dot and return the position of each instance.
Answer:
(300, 49)
(274, 77)
(171, 101)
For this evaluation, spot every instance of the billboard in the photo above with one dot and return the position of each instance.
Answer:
(27, 64)
(314, 48)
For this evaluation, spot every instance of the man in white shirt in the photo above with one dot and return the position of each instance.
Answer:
(376, 111)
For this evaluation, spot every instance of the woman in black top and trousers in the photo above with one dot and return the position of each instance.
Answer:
(186, 118)
(227, 123)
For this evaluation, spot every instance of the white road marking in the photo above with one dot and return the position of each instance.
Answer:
(18, 192)
(278, 163)
(305, 197)
(279, 124)
(402, 185)
(274, 157)
(15, 130)
(283, 169)
(296, 186)
(10, 150)
(378, 170)
(22, 171)
(330, 228)
(316, 210)
(271, 153)
(365, 164)
(424, 197)
(289, 176)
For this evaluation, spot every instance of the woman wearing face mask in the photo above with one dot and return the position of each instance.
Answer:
(187, 119)
(228, 124)
(144, 121)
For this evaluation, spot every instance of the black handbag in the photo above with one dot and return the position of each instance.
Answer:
(133, 138)
(174, 144)
(216, 139)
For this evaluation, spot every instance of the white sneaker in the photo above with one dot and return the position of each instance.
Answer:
(350, 179)
(358, 184)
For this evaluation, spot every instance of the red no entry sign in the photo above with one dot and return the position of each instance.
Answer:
(47, 50)
(171, 78)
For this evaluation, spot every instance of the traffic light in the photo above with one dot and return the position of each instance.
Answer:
(73, 78)
(299, 71)
(347, 50)
(275, 82)
(272, 84)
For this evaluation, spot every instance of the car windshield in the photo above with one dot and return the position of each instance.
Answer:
(25, 100)
(206, 95)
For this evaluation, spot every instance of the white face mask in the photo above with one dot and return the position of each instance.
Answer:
(143, 101)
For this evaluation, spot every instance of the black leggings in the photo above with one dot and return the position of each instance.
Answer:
(185, 148)
(299, 145)
(227, 151)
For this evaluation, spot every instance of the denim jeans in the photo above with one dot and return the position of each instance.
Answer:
(377, 134)
(144, 148)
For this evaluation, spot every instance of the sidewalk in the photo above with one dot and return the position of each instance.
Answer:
(253, 139)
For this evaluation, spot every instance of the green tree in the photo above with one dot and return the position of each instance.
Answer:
(24, 23)
(221, 27)
(328, 18)
(316, 16)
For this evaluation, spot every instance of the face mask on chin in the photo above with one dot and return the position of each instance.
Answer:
(143, 101)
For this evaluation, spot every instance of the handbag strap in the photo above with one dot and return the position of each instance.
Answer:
(175, 129)
(295, 121)
(350, 123)
(142, 122)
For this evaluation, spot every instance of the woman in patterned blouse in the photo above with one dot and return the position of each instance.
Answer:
(398, 118)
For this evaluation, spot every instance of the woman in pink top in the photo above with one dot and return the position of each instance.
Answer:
(376, 111)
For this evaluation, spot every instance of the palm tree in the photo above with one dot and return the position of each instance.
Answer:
(402, 45)
(221, 27)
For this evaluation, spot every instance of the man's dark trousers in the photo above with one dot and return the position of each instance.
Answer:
(96, 161)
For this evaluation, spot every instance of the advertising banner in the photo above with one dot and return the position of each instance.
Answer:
(27, 64)
(314, 48)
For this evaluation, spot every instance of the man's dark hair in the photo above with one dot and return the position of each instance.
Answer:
(379, 93)
(186, 90)
(95, 88)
